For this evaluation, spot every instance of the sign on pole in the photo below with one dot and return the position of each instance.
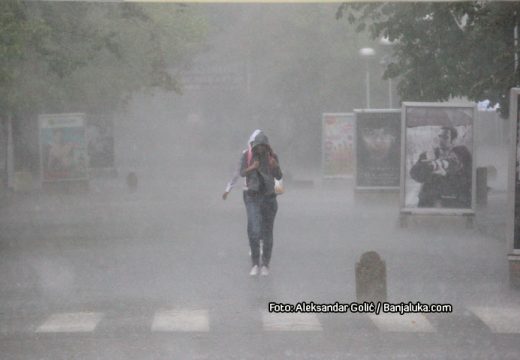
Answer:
(437, 158)
(377, 149)
(63, 149)
(337, 145)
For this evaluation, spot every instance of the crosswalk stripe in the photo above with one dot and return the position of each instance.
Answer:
(499, 320)
(71, 322)
(290, 322)
(181, 320)
(402, 323)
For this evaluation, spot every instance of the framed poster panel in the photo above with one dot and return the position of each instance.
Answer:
(513, 231)
(63, 149)
(377, 149)
(337, 145)
(99, 135)
(438, 158)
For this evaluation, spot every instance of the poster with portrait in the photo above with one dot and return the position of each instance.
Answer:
(337, 145)
(438, 158)
(377, 149)
(63, 149)
(514, 175)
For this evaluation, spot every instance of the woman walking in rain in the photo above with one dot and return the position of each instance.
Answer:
(260, 166)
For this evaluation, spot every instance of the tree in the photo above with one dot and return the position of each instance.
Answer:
(444, 50)
(16, 31)
(57, 57)
(85, 57)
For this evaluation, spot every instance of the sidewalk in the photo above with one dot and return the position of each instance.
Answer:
(491, 219)
(321, 231)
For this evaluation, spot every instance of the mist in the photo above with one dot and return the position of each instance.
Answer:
(143, 251)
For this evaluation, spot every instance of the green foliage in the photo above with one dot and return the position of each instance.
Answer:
(16, 31)
(12, 32)
(80, 56)
(444, 50)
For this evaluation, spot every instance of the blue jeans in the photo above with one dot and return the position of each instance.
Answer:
(261, 211)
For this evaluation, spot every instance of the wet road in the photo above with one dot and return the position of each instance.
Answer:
(164, 275)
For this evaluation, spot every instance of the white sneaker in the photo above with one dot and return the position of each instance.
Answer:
(254, 271)
(264, 271)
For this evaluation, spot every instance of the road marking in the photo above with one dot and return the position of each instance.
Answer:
(402, 323)
(290, 322)
(181, 320)
(499, 320)
(71, 322)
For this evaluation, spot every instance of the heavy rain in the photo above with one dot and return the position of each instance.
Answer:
(259, 180)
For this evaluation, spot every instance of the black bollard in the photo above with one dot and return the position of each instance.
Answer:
(370, 278)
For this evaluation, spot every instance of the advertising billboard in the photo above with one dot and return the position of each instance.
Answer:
(377, 148)
(99, 136)
(514, 175)
(63, 149)
(437, 158)
(337, 145)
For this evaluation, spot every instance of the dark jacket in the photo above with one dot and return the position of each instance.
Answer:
(452, 188)
(262, 179)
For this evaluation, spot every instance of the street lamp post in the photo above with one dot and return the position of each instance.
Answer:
(367, 53)
(385, 61)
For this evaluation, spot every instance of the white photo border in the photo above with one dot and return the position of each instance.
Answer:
(402, 197)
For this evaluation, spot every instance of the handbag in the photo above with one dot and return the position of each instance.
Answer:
(278, 187)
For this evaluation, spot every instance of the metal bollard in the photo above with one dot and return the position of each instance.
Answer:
(370, 278)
